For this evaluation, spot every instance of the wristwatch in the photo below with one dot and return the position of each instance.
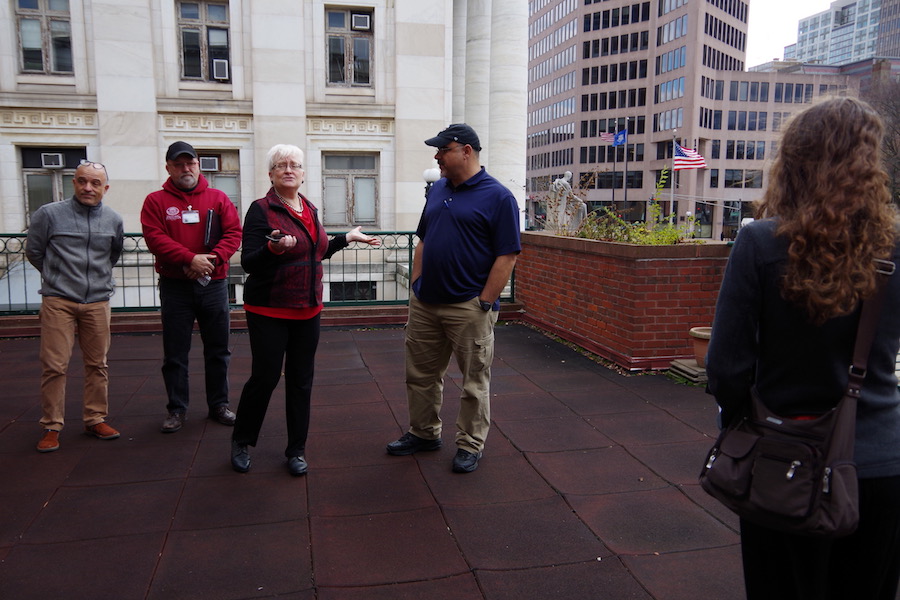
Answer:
(485, 306)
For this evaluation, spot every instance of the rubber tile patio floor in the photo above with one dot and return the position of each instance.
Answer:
(587, 489)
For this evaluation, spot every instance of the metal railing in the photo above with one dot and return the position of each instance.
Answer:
(359, 275)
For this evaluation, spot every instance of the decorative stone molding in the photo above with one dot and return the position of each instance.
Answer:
(350, 127)
(206, 123)
(48, 119)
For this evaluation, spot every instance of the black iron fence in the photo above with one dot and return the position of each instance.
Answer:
(358, 275)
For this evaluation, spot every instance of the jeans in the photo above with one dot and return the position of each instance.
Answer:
(277, 343)
(434, 333)
(183, 302)
(59, 318)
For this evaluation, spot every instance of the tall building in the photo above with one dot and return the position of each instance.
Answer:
(665, 70)
(847, 32)
(359, 85)
(888, 43)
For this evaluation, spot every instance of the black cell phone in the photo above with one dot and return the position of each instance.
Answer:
(275, 237)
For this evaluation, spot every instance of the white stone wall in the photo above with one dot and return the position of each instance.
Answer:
(126, 101)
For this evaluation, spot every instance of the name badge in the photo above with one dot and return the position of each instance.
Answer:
(190, 216)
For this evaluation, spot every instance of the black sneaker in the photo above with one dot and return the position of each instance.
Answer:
(465, 461)
(410, 444)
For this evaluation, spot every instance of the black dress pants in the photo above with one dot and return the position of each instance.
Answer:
(277, 343)
(862, 566)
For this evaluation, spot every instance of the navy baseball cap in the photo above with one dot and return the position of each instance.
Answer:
(458, 132)
(179, 148)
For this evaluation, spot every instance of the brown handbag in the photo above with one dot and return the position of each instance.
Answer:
(793, 475)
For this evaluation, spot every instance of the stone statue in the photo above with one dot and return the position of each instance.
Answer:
(567, 208)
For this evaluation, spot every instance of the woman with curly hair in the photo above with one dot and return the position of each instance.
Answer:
(786, 321)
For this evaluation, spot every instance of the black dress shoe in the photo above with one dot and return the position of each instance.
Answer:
(222, 415)
(465, 461)
(410, 444)
(297, 465)
(240, 457)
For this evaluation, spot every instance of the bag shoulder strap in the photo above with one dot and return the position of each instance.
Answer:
(868, 323)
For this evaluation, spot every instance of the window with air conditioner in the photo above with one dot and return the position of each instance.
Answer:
(350, 189)
(45, 36)
(47, 175)
(209, 163)
(204, 37)
(349, 45)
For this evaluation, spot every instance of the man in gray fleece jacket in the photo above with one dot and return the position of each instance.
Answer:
(74, 244)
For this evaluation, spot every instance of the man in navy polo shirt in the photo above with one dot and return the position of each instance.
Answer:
(468, 244)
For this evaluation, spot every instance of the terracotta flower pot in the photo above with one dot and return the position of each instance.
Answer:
(700, 336)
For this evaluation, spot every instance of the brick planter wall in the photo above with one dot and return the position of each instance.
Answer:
(631, 304)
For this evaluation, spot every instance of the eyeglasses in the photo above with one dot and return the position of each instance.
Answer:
(285, 166)
(86, 163)
(446, 149)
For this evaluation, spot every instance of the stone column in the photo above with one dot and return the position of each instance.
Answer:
(128, 128)
(478, 70)
(508, 95)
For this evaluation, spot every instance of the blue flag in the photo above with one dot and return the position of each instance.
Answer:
(621, 138)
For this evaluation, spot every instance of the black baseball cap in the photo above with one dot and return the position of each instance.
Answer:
(179, 148)
(458, 132)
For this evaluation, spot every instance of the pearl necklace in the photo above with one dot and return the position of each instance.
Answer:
(288, 204)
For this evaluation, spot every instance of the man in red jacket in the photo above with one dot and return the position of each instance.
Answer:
(192, 230)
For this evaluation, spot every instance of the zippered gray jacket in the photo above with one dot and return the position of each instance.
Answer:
(75, 247)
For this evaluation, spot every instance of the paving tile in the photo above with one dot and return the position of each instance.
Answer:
(678, 463)
(598, 471)
(607, 399)
(376, 549)
(102, 511)
(265, 560)
(344, 449)
(392, 487)
(460, 587)
(553, 434)
(513, 385)
(498, 479)
(127, 568)
(346, 394)
(234, 500)
(535, 533)
(356, 417)
(606, 578)
(650, 427)
(709, 574)
(535, 405)
(661, 520)
(121, 461)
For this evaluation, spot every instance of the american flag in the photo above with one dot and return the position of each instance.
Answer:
(609, 138)
(685, 158)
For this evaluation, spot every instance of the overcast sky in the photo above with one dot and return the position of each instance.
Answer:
(773, 25)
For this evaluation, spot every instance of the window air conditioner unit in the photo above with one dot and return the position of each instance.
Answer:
(220, 69)
(209, 163)
(360, 22)
(52, 160)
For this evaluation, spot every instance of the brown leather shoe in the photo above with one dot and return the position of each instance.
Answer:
(50, 441)
(221, 414)
(102, 431)
(173, 422)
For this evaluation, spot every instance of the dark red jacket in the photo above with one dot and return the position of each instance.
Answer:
(292, 279)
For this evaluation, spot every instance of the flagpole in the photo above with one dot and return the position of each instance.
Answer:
(615, 155)
(625, 178)
(672, 182)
